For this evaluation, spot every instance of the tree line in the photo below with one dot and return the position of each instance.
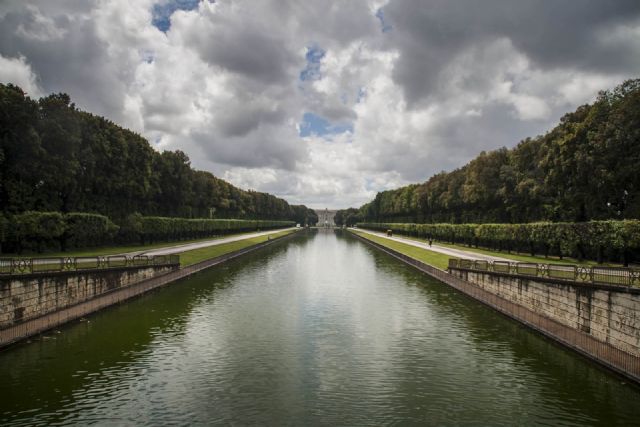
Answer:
(41, 231)
(586, 168)
(56, 158)
(597, 240)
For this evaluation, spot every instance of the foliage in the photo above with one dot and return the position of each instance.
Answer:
(592, 240)
(83, 230)
(55, 158)
(584, 169)
(161, 228)
(3, 230)
(348, 217)
(35, 230)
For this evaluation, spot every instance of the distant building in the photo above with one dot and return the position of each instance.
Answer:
(325, 217)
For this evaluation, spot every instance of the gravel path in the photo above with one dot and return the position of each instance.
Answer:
(454, 253)
(197, 245)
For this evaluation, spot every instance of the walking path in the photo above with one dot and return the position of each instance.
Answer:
(197, 245)
(454, 253)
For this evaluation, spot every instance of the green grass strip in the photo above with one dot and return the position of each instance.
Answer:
(111, 250)
(435, 259)
(520, 257)
(202, 254)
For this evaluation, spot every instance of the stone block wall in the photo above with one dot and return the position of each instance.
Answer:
(550, 310)
(610, 314)
(34, 303)
(25, 297)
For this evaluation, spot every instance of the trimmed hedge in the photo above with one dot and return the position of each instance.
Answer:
(155, 228)
(592, 240)
(41, 231)
(3, 230)
(35, 230)
(83, 229)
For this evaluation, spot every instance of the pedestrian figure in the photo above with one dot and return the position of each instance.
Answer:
(429, 242)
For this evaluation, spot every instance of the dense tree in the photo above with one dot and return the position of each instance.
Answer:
(40, 231)
(55, 158)
(348, 217)
(586, 168)
(613, 240)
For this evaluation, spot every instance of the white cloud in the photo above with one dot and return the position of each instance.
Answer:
(579, 88)
(18, 72)
(39, 27)
(222, 84)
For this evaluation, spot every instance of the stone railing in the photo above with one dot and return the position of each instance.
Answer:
(17, 266)
(619, 276)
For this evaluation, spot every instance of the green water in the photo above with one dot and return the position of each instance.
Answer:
(321, 329)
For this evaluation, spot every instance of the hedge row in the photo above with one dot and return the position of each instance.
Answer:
(84, 229)
(153, 228)
(594, 239)
(39, 231)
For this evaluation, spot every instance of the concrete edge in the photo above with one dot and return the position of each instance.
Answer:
(616, 360)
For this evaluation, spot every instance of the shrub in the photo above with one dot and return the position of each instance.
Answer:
(581, 239)
(85, 229)
(36, 230)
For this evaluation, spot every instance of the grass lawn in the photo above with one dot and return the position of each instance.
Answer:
(197, 255)
(527, 258)
(111, 250)
(520, 257)
(435, 259)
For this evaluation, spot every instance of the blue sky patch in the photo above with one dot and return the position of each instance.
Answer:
(312, 124)
(312, 70)
(384, 25)
(162, 12)
(362, 93)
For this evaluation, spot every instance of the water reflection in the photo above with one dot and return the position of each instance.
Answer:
(320, 329)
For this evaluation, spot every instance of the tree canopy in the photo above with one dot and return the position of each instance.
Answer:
(586, 168)
(56, 158)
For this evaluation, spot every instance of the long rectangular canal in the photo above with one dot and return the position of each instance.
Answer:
(321, 329)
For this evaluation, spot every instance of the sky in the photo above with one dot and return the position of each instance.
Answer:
(323, 103)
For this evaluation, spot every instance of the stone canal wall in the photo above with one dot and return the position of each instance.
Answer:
(30, 303)
(608, 313)
(600, 322)
(34, 303)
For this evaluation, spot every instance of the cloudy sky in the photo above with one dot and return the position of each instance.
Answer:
(323, 103)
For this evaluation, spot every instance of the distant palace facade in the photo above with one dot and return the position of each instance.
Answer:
(325, 217)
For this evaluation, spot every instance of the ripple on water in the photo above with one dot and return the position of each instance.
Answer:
(322, 330)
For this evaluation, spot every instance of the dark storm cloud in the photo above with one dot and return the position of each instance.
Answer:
(553, 34)
(337, 23)
(238, 123)
(254, 52)
(266, 146)
(67, 56)
(453, 142)
(422, 85)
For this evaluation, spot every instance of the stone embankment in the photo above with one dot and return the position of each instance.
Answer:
(34, 301)
(601, 321)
